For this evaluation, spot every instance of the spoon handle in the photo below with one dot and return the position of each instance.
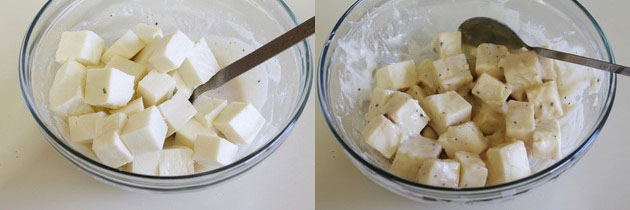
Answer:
(571, 58)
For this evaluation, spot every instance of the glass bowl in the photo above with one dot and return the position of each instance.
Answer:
(371, 34)
(252, 22)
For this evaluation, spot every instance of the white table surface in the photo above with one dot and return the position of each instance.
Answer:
(598, 181)
(34, 176)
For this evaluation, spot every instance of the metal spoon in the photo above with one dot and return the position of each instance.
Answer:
(257, 57)
(480, 30)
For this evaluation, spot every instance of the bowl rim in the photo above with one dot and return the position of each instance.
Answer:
(576, 154)
(306, 65)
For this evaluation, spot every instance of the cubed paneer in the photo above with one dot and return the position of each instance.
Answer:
(214, 151)
(132, 68)
(448, 44)
(382, 135)
(199, 66)
(471, 58)
(496, 138)
(180, 86)
(491, 91)
(188, 134)
(406, 113)
(110, 88)
(451, 73)
(145, 54)
(147, 33)
(441, 173)
(412, 153)
(377, 102)
(132, 107)
(428, 132)
(177, 111)
(573, 82)
(127, 46)
(208, 109)
(488, 57)
(446, 109)
(425, 78)
(111, 123)
(548, 69)
(397, 76)
(83, 127)
(110, 149)
(239, 122)
(84, 47)
(507, 162)
(416, 92)
(465, 137)
(176, 161)
(155, 88)
(519, 121)
(546, 100)
(521, 72)
(145, 131)
(66, 93)
(489, 120)
(146, 163)
(473, 171)
(546, 140)
(171, 52)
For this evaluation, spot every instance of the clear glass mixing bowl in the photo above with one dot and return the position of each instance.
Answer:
(253, 22)
(375, 33)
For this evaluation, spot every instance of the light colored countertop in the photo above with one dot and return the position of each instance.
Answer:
(34, 176)
(598, 181)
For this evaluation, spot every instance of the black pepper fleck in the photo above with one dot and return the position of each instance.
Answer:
(104, 91)
(514, 122)
(441, 44)
(258, 81)
(156, 23)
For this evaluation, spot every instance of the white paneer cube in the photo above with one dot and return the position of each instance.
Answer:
(111, 123)
(382, 135)
(208, 109)
(66, 93)
(488, 57)
(188, 134)
(125, 65)
(177, 111)
(146, 163)
(145, 131)
(406, 113)
(377, 102)
(147, 33)
(145, 54)
(180, 86)
(171, 52)
(446, 109)
(127, 46)
(507, 163)
(199, 66)
(451, 73)
(546, 140)
(428, 132)
(84, 47)
(473, 171)
(239, 122)
(521, 72)
(132, 107)
(176, 161)
(214, 151)
(155, 88)
(548, 69)
(489, 120)
(411, 154)
(397, 76)
(417, 92)
(441, 173)
(519, 121)
(110, 88)
(546, 100)
(425, 78)
(110, 149)
(83, 127)
(448, 44)
(491, 91)
(465, 137)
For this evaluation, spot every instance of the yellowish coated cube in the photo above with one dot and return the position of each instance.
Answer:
(451, 73)
(491, 91)
(441, 173)
(519, 121)
(446, 109)
(521, 72)
(412, 153)
(448, 44)
(406, 113)
(488, 57)
(382, 135)
(425, 78)
(489, 120)
(473, 171)
(507, 163)
(546, 100)
(377, 102)
(466, 137)
(547, 140)
(397, 76)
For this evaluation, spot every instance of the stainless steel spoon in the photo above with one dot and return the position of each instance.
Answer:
(480, 30)
(257, 57)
